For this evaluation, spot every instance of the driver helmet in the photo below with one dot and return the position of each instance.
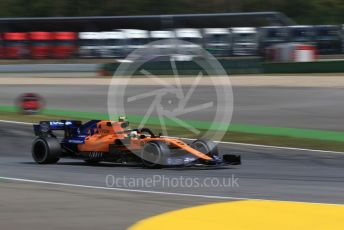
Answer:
(133, 134)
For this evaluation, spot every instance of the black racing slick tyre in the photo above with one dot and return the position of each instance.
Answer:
(154, 154)
(205, 146)
(46, 150)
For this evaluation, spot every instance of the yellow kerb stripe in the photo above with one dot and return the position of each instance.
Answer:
(249, 215)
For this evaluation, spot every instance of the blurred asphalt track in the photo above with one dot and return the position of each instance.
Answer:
(266, 173)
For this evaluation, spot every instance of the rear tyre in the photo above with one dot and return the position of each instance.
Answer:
(154, 154)
(205, 146)
(46, 150)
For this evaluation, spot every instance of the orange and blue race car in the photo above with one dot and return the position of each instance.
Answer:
(113, 141)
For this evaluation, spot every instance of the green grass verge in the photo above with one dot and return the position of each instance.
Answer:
(201, 125)
(233, 136)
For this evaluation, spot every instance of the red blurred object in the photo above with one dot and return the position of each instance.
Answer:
(15, 45)
(64, 44)
(30, 103)
(40, 44)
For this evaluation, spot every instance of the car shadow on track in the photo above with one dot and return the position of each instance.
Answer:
(83, 164)
(135, 166)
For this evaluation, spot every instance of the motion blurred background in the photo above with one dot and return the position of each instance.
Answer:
(45, 29)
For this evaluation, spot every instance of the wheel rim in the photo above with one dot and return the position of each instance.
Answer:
(40, 151)
(201, 147)
(151, 154)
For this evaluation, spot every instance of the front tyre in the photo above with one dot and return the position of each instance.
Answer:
(154, 154)
(205, 146)
(46, 150)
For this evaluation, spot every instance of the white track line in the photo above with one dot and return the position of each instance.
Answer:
(120, 189)
(222, 142)
(270, 146)
(16, 122)
(153, 192)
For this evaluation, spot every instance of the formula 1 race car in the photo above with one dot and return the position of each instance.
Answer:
(113, 141)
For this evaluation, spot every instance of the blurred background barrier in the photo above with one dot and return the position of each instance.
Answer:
(243, 42)
(305, 67)
(235, 66)
(114, 37)
(239, 66)
(232, 66)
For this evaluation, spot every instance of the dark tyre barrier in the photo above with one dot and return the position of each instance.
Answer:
(237, 66)
(244, 66)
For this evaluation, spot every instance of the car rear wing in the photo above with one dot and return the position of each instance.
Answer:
(45, 128)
